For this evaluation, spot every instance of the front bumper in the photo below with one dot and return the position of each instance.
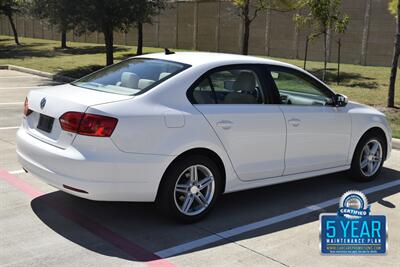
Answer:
(93, 165)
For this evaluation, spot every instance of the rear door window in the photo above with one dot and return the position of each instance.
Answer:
(229, 86)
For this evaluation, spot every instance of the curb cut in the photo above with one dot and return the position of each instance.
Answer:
(395, 143)
(54, 77)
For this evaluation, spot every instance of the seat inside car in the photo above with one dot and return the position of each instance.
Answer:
(129, 80)
(244, 89)
(163, 75)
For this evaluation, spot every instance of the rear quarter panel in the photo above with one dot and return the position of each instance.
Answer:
(163, 122)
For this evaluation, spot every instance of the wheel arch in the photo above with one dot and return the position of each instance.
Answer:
(198, 151)
(377, 131)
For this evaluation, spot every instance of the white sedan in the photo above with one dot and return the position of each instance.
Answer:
(181, 129)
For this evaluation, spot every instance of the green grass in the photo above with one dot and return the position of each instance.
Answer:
(364, 84)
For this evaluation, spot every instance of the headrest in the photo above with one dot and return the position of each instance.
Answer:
(129, 80)
(245, 82)
(143, 83)
(163, 75)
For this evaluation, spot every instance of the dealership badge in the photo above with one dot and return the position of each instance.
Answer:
(352, 230)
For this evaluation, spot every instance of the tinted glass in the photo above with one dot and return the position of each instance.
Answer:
(236, 86)
(131, 76)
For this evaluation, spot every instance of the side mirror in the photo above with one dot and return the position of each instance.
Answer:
(340, 100)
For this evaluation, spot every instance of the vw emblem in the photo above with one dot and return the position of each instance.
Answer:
(43, 103)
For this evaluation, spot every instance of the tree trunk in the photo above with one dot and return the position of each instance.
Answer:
(139, 50)
(338, 61)
(306, 52)
(64, 39)
(395, 62)
(14, 29)
(246, 36)
(325, 56)
(109, 42)
(246, 28)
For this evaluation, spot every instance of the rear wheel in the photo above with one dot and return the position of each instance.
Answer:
(368, 158)
(190, 188)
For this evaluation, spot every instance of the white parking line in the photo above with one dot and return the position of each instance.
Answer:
(261, 224)
(23, 76)
(16, 172)
(11, 103)
(9, 128)
(21, 87)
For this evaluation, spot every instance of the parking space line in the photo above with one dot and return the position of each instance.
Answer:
(9, 128)
(21, 185)
(132, 249)
(22, 87)
(24, 76)
(11, 103)
(16, 172)
(261, 224)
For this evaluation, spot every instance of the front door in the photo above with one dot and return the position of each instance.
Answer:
(318, 133)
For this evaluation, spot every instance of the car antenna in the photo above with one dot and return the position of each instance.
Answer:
(168, 52)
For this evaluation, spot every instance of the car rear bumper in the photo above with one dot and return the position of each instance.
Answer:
(95, 167)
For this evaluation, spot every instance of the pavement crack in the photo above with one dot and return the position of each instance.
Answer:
(8, 142)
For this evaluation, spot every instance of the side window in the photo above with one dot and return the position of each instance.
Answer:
(294, 89)
(203, 93)
(234, 86)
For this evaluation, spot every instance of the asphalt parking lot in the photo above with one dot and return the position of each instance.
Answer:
(272, 226)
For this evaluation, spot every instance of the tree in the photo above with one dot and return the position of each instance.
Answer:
(61, 13)
(9, 8)
(107, 16)
(322, 16)
(394, 8)
(146, 10)
(248, 10)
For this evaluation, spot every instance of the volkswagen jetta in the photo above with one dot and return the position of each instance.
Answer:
(180, 129)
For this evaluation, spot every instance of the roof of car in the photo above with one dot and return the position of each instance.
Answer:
(201, 58)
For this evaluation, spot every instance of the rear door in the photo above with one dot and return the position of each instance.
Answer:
(233, 99)
(318, 132)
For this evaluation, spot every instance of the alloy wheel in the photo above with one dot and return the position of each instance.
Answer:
(371, 158)
(194, 190)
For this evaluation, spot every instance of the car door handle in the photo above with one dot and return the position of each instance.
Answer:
(294, 122)
(225, 124)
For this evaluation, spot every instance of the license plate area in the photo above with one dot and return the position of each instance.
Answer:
(45, 123)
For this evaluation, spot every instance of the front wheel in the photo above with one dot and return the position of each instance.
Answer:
(368, 158)
(190, 188)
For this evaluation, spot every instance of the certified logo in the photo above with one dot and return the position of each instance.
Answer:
(43, 103)
(353, 205)
(353, 230)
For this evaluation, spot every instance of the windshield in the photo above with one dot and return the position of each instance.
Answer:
(132, 76)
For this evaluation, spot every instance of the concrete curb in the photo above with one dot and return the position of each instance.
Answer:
(54, 77)
(395, 143)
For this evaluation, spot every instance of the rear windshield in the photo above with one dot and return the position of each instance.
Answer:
(131, 77)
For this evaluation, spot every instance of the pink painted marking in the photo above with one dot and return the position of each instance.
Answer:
(95, 228)
(21, 185)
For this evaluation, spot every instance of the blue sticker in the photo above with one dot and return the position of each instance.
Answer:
(352, 230)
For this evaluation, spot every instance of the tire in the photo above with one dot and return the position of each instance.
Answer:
(359, 171)
(180, 197)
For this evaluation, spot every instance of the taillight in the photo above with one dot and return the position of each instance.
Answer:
(70, 121)
(27, 111)
(88, 124)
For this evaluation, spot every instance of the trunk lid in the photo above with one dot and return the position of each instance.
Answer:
(48, 105)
